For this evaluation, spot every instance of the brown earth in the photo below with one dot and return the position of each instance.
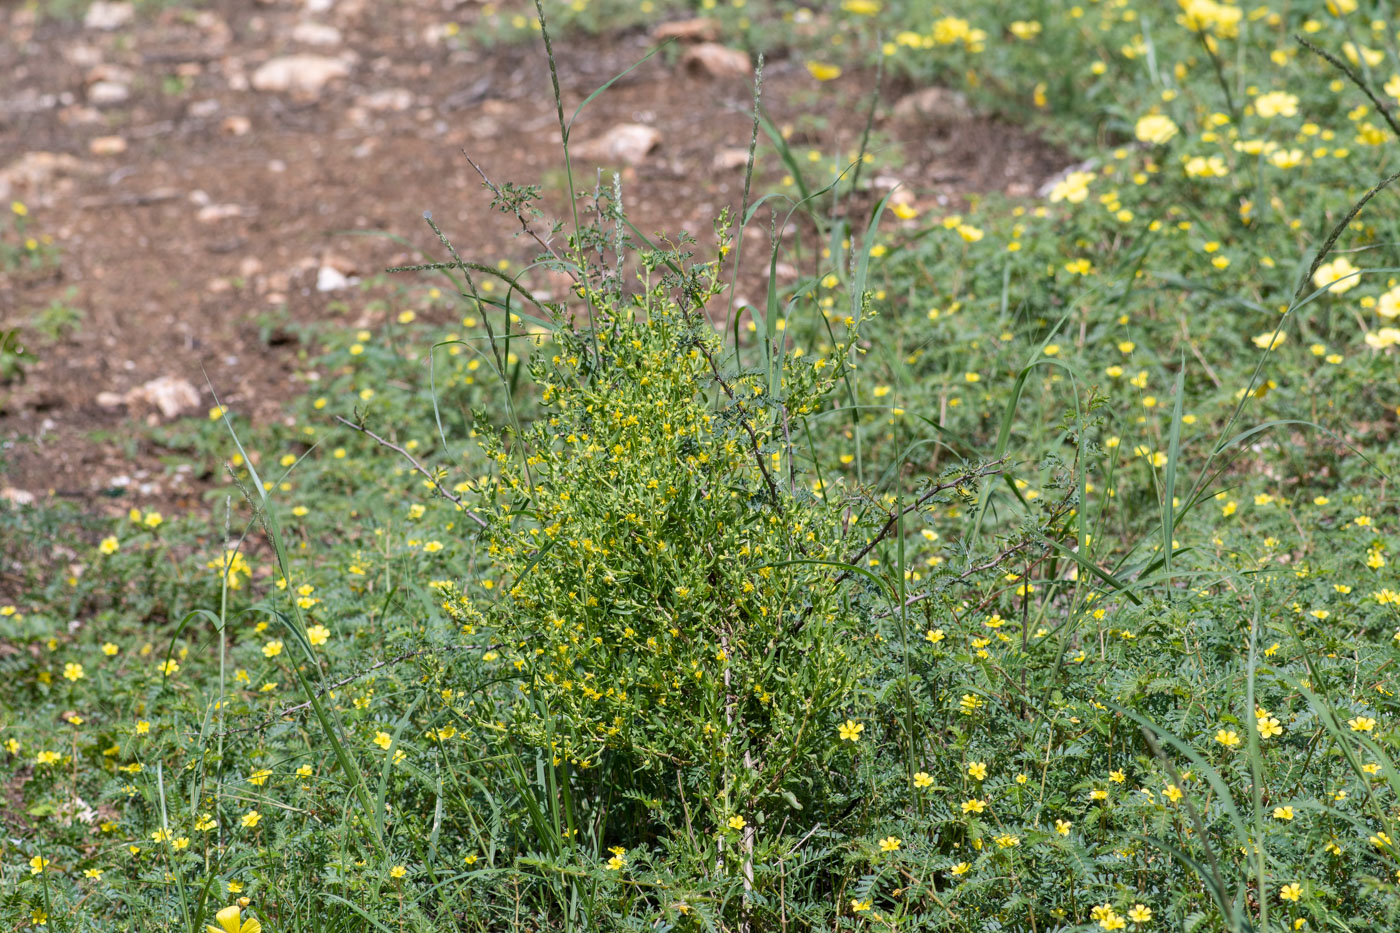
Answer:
(196, 239)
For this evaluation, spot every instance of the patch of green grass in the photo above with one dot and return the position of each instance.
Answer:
(1007, 569)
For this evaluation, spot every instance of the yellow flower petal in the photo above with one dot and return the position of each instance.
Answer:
(228, 920)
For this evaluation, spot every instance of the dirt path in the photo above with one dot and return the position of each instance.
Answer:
(197, 210)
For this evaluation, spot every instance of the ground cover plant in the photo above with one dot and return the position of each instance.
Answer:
(1025, 566)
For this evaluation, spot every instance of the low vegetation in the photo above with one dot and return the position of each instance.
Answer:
(1022, 568)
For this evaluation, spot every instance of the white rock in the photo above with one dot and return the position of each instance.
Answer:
(628, 143)
(718, 61)
(309, 33)
(105, 93)
(170, 396)
(730, 158)
(934, 104)
(81, 55)
(105, 15)
(394, 98)
(212, 213)
(330, 280)
(17, 496)
(235, 125)
(34, 173)
(107, 146)
(307, 74)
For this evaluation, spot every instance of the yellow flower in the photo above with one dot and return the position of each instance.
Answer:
(1270, 340)
(977, 770)
(73, 671)
(823, 72)
(1276, 104)
(1291, 892)
(1140, 913)
(890, 844)
(1063, 827)
(1111, 921)
(37, 865)
(110, 650)
(1073, 188)
(851, 730)
(383, 740)
(737, 822)
(272, 649)
(1337, 276)
(109, 545)
(1228, 737)
(922, 779)
(1206, 167)
(1283, 813)
(1362, 724)
(962, 868)
(974, 806)
(1388, 304)
(318, 635)
(1268, 726)
(229, 918)
(1155, 128)
(398, 871)
(250, 819)
(259, 777)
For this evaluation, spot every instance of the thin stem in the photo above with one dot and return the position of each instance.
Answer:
(432, 476)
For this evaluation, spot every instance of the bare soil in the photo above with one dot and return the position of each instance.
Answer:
(194, 250)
